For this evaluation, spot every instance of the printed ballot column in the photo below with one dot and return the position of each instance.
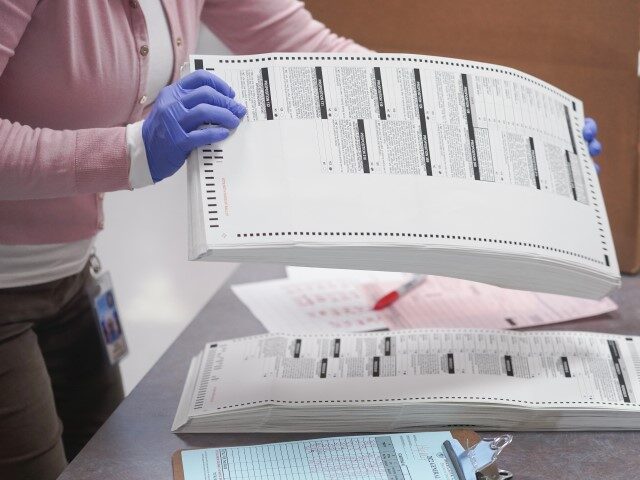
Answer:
(608, 62)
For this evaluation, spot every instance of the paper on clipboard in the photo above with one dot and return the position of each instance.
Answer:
(420, 455)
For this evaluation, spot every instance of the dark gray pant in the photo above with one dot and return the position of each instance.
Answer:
(56, 388)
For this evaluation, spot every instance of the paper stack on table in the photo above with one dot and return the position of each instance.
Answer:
(403, 163)
(325, 300)
(412, 380)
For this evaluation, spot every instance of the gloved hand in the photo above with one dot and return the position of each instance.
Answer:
(589, 132)
(172, 130)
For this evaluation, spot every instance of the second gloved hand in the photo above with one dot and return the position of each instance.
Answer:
(172, 130)
(589, 132)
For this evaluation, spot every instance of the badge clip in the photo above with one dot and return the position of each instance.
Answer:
(468, 464)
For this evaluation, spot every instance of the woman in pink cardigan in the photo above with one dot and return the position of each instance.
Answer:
(77, 78)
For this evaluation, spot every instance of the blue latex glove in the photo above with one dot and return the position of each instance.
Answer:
(589, 132)
(172, 130)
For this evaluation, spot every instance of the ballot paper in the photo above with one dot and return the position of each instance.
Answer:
(413, 380)
(344, 304)
(403, 163)
(416, 456)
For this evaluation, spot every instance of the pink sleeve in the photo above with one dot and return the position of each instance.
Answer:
(250, 26)
(15, 16)
(45, 163)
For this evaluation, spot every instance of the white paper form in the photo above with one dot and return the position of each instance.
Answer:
(526, 369)
(416, 456)
(344, 304)
(389, 149)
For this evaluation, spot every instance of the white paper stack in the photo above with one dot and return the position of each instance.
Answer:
(403, 163)
(413, 380)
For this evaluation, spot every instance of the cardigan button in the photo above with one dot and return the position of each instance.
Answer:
(179, 41)
(133, 4)
(144, 50)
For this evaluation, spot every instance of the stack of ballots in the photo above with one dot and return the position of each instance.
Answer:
(403, 163)
(413, 380)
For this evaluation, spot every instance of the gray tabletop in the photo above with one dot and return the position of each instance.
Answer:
(137, 443)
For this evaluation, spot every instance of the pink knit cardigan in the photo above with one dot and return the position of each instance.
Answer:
(72, 75)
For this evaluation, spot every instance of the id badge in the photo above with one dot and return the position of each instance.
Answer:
(105, 310)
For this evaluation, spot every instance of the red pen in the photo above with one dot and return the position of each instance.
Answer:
(402, 290)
